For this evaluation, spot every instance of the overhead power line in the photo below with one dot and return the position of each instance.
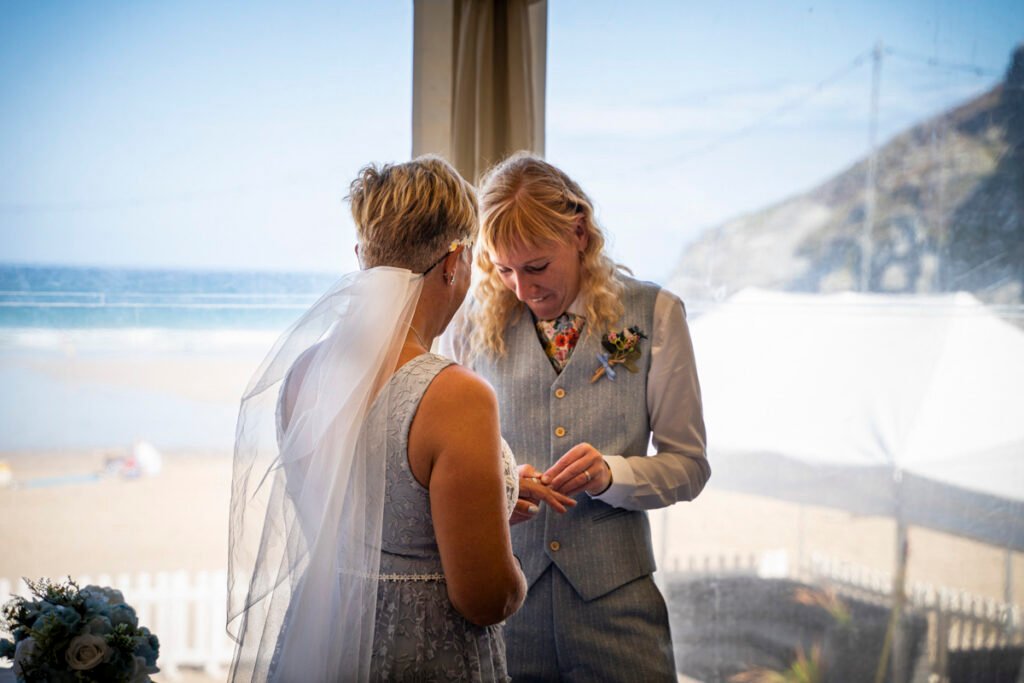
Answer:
(939, 64)
(795, 102)
(771, 115)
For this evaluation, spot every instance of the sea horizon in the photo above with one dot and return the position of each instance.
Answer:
(98, 358)
(77, 297)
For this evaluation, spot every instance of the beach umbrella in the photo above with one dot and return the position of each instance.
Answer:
(909, 407)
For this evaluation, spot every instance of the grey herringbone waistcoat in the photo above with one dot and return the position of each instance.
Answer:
(597, 547)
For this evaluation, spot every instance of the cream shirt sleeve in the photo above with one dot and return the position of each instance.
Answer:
(679, 467)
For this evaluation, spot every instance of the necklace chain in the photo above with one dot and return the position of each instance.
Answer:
(419, 338)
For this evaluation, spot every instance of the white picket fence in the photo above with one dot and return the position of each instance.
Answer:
(774, 564)
(186, 611)
(970, 621)
(957, 620)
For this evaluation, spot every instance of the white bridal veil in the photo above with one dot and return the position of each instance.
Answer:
(307, 491)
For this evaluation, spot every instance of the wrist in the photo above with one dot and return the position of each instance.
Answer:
(608, 469)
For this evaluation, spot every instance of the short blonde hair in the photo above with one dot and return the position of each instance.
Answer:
(408, 214)
(525, 201)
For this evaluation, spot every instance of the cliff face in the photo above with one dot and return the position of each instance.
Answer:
(949, 216)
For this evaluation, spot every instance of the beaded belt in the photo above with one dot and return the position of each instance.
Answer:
(411, 577)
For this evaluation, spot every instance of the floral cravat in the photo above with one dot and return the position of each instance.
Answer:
(559, 337)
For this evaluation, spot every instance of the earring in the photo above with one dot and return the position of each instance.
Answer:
(451, 279)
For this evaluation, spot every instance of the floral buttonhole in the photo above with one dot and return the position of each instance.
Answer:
(620, 348)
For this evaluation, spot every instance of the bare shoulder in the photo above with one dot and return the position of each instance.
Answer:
(456, 423)
(460, 390)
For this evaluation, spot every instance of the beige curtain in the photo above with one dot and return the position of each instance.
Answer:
(478, 80)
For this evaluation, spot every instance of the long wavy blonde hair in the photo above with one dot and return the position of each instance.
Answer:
(527, 202)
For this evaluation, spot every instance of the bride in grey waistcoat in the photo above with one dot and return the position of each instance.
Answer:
(588, 363)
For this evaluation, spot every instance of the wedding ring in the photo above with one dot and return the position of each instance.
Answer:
(587, 475)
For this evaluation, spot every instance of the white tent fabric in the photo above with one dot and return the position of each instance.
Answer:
(894, 405)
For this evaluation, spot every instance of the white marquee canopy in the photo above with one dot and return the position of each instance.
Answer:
(911, 407)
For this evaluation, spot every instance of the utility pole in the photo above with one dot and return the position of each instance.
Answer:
(866, 247)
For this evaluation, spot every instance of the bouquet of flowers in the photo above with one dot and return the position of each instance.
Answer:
(72, 634)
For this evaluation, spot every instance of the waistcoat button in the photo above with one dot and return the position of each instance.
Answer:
(554, 545)
(559, 392)
(559, 431)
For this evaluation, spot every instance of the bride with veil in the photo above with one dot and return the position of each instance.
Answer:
(371, 490)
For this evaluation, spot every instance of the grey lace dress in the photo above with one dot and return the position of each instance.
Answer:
(419, 636)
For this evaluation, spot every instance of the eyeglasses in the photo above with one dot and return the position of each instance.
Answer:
(463, 242)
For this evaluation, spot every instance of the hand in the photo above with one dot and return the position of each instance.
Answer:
(532, 493)
(582, 468)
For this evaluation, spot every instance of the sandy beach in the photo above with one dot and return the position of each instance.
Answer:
(174, 520)
(177, 520)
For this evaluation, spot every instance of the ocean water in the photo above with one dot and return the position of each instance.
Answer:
(84, 298)
(94, 358)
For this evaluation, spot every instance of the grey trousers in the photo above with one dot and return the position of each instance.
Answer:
(621, 636)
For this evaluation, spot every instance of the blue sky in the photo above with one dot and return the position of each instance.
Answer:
(223, 135)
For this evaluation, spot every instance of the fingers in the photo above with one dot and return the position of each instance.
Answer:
(582, 468)
(528, 472)
(574, 485)
(529, 483)
(533, 492)
(523, 511)
(531, 489)
(558, 501)
(568, 460)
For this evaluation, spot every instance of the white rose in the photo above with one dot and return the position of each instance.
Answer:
(86, 652)
(23, 654)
